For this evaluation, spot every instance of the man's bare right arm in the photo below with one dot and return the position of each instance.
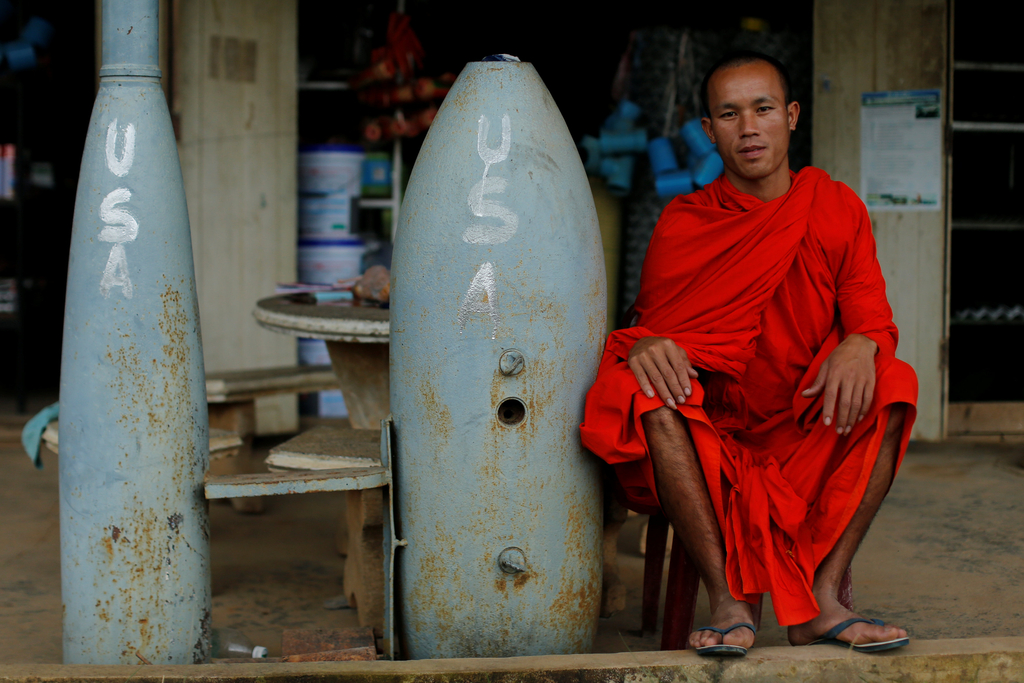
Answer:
(661, 366)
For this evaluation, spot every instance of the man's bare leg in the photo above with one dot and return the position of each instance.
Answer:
(830, 572)
(685, 500)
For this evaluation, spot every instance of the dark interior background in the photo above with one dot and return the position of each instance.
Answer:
(53, 102)
(985, 362)
(576, 53)
(577, 56)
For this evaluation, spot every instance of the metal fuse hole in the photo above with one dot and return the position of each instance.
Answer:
(511, 560)
(511, 412)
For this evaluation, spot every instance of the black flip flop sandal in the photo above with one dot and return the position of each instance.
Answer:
(830, 638)
(721, 649)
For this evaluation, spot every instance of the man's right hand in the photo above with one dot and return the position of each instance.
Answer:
(661, 366)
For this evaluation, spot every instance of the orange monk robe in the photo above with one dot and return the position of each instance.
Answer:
(758, 294)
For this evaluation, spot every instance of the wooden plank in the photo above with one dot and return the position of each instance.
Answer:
(298, 641)
(327, 447)
(240, 418)
(239, 385)
(358, 654)
(223, 443)
(978, 419)
(364, 563)
(286, 483)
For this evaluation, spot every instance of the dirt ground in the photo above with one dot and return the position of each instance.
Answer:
(943, 558)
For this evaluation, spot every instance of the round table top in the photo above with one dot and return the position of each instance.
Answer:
(360, 324)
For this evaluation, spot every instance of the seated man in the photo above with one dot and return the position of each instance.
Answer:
(758, 400)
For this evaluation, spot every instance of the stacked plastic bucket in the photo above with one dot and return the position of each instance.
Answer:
(329, 247)
(611, 155)
(703, 164)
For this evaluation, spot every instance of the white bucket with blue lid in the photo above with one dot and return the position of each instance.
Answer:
(325, 261)
(331, 168)
(325, 215)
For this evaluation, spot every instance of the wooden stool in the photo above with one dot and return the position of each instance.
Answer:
(231, 398)
(223, 444)
(683, 582)
(361, 537)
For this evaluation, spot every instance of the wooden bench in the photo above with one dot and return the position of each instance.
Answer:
(332, 459)
(231, 397)
(360, 535)
(223, 444)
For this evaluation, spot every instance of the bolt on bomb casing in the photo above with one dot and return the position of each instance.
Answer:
(135, 555)
(498, 250)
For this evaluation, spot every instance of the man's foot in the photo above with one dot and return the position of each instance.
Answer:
(833, 613)
(728, 612)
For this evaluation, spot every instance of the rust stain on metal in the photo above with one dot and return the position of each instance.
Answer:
(199, 652)
(435, 406)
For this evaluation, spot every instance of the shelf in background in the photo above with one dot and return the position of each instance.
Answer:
(378, 204)
(986, 323)
(989, 223)
(324, 85)
(987, 127)
(985, 315)
(988, 66)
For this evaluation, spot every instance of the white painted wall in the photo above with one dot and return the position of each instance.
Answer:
(235, 102)
(875, 45)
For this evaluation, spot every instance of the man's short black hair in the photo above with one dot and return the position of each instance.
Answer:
(739, 58)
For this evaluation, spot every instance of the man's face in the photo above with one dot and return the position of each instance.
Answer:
(750, 122)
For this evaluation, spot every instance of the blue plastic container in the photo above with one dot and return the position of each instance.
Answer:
(592, 157)
(709, 168)
(21, 56)
(662, 156)
(696, 139)
(37, 31)
(632, 142)
(623, 119)
(377, 175)
(675, 183)
(618, 172)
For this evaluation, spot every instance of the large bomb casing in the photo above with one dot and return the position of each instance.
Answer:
(497, 324)
(135, 575)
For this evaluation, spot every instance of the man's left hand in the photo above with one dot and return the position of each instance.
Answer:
(848, 374)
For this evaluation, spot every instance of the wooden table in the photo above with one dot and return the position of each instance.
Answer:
(357, 339)
(358, 342)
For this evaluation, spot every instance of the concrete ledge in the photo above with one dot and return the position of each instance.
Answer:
(936, 661)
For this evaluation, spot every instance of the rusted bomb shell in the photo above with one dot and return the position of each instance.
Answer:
(134, 443)
(498, 248)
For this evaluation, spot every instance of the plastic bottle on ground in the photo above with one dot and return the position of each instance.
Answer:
(232, 643)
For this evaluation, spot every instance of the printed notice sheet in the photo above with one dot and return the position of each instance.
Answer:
(901, 150)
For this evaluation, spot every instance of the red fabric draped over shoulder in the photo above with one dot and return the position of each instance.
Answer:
(758, 294)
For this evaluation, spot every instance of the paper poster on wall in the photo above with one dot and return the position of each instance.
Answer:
(901, 150)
